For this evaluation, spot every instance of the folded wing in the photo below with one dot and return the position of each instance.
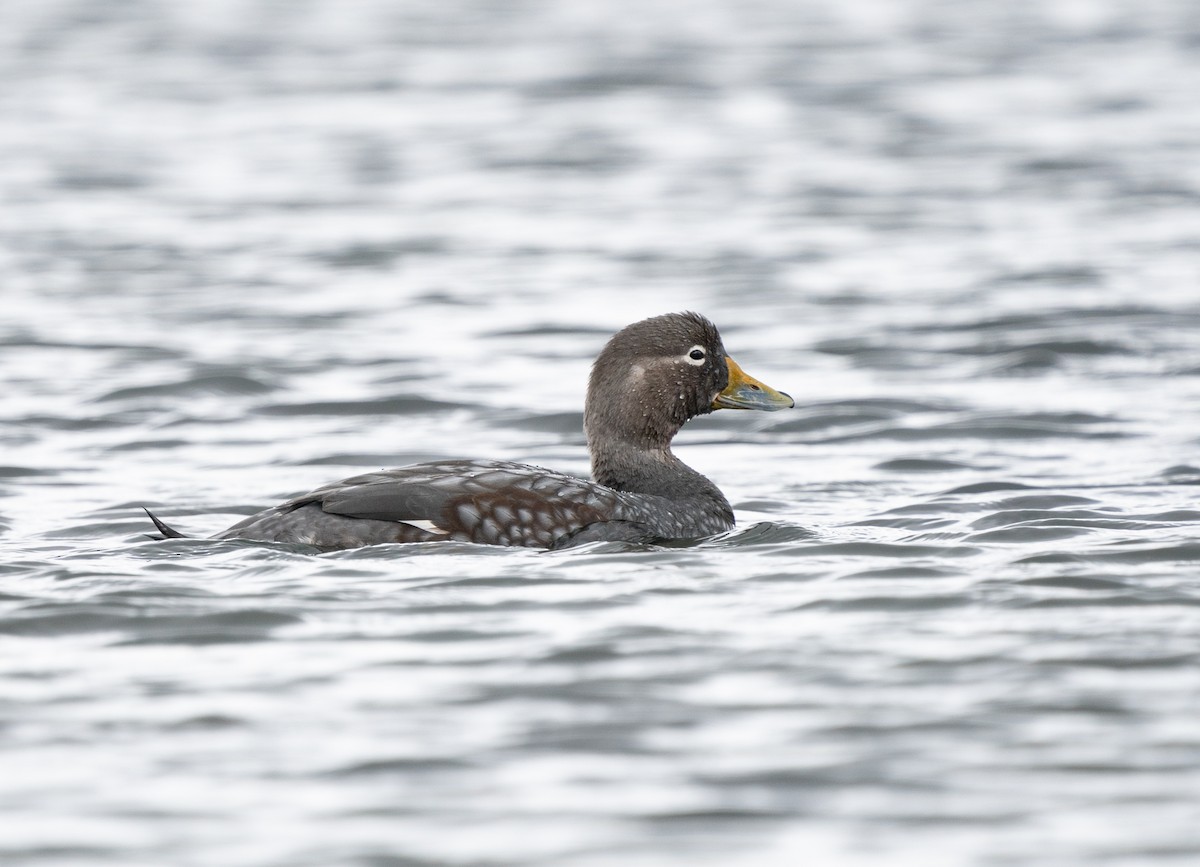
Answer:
(492, 502)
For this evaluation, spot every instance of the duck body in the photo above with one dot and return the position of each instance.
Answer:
(648, 381)
(489, 502)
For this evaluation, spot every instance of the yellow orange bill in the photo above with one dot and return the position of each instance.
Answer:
(746, 392)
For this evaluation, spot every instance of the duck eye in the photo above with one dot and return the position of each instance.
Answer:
(696, 355)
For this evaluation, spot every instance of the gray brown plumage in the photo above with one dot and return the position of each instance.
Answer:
(649, 379)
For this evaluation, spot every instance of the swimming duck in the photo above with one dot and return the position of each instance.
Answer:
(649, 379)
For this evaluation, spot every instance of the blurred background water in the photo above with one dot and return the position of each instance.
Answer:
(248, 247)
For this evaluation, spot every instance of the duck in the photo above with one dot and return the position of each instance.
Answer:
(650, 379)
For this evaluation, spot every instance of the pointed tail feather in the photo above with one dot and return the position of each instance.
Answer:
(168, 532)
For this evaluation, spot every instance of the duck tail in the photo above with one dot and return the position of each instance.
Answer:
(168, 532)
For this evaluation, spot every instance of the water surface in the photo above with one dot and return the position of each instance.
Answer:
(248, 248)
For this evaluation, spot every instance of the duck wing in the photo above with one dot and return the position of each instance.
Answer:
(491, 502)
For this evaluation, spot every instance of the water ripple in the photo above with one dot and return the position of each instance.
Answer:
(252, 248)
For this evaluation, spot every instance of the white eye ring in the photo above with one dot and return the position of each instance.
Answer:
(696, 356)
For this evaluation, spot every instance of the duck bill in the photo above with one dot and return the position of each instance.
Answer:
(746, 392)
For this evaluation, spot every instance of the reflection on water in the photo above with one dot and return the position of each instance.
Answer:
(248, 248)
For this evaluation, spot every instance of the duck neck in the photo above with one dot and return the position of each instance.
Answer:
(652, 470)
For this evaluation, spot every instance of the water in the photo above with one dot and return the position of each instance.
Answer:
(248, 248)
